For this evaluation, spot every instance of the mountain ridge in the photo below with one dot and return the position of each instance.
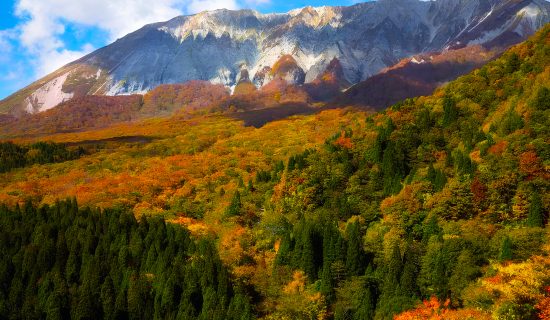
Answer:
(217, 46)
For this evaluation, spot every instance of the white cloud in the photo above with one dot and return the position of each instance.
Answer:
(52, 60)
(117, 17)
(6, 38)
(43, 23)
(204, 5)
(255, 3)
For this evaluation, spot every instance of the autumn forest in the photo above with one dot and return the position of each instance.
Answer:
(169, 206)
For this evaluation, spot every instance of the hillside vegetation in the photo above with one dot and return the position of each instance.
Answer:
(436, 208)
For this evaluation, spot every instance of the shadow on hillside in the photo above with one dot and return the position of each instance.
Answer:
(258, 118)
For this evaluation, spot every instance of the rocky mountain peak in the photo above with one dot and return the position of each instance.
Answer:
(214, 46)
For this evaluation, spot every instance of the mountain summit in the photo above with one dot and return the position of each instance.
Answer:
(219, 46)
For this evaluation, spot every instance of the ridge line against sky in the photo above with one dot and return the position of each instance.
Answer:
(39, 36)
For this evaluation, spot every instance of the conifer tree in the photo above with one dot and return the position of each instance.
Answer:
(107, 298)
(542, 101)
(450, 111)
(354, 255)
(393, 273)
(327, 283)
(234, 208)
(535, 217)
(407, 282)
(506, 249)
(307, 261)
(367, 306)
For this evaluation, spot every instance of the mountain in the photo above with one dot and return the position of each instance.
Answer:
(415, 76)
(298, 46)
(435, 208)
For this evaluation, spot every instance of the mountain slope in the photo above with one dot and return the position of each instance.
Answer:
(442, 199)
(216, 46)
(413, 77)
(339, 215)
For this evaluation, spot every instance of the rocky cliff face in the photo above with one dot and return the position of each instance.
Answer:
(218, 46)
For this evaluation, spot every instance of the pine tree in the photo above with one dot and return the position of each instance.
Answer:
(121, 304)
(535, 217)
(354, 255)
(283, 254)
(506, 249)
(393, 273)
(431, 228)
(107, 298)
(327, 283)
(53, 307)
(84, 307)
(137, 296)
(367, 306)
(392, 168)
(307, 262)
(542, 101)
(234, 208)
(291, 164)
(440, 277)
(407, 282)
(450, 111)
(513, 63)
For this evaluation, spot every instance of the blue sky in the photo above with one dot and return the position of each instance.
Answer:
(39, 36)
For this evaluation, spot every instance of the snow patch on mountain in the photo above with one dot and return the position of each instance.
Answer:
(365, 38)
(48, 96)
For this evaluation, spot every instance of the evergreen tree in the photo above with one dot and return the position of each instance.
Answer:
(234, 208)
(535, 217)
(108, 298)
(513, 63)
(407, 284)
(54, 307)
(506, 249)
(464, 271)
(392, 168)
(283, 254)
(393, 272)
(327, 283)
(354, 255)
(137, 297)
(307, 261)
(431, 228)
(366, 309)
(542, 101)
(450, 111)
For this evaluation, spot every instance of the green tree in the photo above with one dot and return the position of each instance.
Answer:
(54, 308)
(464, 271)
(535, 218)
(506, 249)
(393, 272)
(542, 100)
(450, 111)
(354, 253)
(407, 284)
(234, 208)
(367, 306)
(107, 298)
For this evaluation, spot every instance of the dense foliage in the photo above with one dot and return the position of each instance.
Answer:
(424, 199)
(18, 156)
(436, 208)
(64, 262)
